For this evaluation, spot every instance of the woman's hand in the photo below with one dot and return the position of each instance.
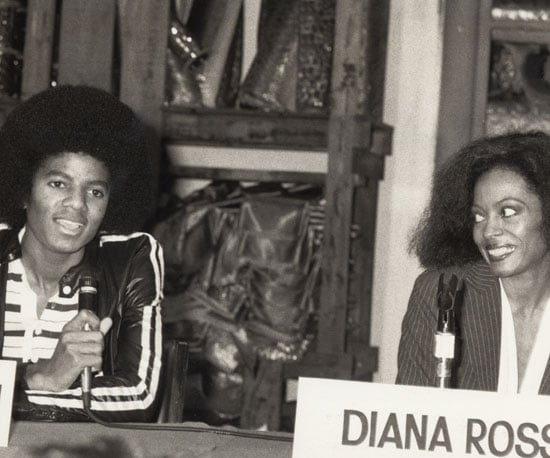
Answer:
(75, 350)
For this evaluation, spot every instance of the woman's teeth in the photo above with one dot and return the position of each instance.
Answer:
(500, 251)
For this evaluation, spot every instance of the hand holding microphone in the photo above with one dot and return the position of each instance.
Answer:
(76, 349)
(87, 297)
(87, 300)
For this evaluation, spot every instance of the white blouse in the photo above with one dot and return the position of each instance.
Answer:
(508, 367)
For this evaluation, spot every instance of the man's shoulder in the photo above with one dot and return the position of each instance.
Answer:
(127, 243)
(129, 239)
(5, 230)
(120, 248)
(9, 242)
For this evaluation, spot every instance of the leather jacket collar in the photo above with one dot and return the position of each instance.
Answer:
(10, 249)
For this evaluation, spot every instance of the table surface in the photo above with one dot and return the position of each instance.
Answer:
(168, 442)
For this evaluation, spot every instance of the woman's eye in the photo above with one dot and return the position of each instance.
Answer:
(478, 218)
(507, 212)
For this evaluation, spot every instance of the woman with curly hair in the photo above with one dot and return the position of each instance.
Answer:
(76, 186)
(488, 223)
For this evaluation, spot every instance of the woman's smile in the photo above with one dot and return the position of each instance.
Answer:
(499, 253)
(508, 223)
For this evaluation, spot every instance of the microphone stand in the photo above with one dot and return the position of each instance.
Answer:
(445, 336)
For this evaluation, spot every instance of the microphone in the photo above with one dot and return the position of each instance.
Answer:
(448, 295)
(87, 301)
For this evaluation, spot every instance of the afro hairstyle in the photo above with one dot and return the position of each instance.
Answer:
(79, 119)
(444, 236)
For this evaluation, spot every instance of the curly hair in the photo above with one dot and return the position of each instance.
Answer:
(77, 119)
(444, 235)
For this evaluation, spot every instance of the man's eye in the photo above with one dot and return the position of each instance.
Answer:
(478, 218)
(57, 184)
(97, 193)
(507, 212)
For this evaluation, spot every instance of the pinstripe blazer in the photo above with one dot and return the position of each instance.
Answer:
(478, 342)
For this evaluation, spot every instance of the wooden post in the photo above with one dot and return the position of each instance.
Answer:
(143, 41)
(86, 43)
(481, 71)
(464, 82)
(37, 55)
(357, 88)
(360, 284)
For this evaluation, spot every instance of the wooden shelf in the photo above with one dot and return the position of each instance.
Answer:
(518, 24)
(234, 127)
(264, 130)
(216, 173)
(245, 128)
(525, 34)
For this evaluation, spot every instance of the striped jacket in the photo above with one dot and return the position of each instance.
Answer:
(129, 272)
(479, 329)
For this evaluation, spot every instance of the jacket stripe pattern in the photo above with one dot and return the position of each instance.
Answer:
(130, 273)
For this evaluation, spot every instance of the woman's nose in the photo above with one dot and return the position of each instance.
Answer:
(493, 226)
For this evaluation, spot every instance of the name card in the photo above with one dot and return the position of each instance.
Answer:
(7, 381)
(344, 419)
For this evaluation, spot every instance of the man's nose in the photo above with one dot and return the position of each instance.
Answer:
(76, 199)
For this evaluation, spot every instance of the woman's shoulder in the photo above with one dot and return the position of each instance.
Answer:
(432, 274)
(475, 274)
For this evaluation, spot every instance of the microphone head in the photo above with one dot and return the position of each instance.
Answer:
(88, 290)
(87, 279)
(449, 296)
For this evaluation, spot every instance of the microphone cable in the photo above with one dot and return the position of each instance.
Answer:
(182, 427)
(186, 428)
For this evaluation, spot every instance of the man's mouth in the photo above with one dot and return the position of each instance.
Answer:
(69, 225)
